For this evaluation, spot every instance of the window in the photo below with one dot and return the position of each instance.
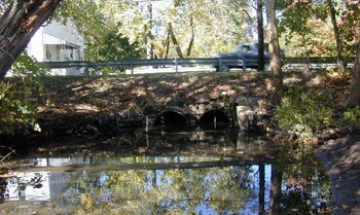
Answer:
(245, 48)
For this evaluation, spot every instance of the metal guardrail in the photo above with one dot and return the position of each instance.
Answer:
(182, 62)
(314, 60)
(138, 63)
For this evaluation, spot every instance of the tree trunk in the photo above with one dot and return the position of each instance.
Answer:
(176, 44)
(261, 189)
(260, 29)
(275, 192)
(276, 83)
(18, 24)
(191, 43)
(149, 39)
(354, 96)
(167, 44)
(340, 59)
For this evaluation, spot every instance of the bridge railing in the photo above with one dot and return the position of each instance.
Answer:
(176, 62)
(314, 60)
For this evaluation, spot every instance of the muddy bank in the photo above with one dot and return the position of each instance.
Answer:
(341, 158)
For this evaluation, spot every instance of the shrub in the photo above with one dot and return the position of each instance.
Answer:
(14, 111)
(304, 109)
(351, 117)
(18, 99)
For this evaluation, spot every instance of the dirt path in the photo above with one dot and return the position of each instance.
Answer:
(341, 158)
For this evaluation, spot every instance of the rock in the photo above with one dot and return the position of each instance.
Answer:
(242, 101)
(245, 118)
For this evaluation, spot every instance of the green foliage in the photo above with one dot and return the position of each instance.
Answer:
(27, 66)
(218, 25)
(350, 27)
(307, 30)
(300, 166)
(316, 41)
(111, 46)
(14, 111)
(18, 108)
(351, 117)
(84, 14)
(215, 25)
(304, 109)
(295, 17)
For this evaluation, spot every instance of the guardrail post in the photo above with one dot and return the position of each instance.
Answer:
(176, 65)
(243, 64)
(132, 66)
(219, 68)
(88, 67)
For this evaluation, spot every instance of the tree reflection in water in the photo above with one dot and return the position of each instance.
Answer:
(189, 191)
(180, 183)
(297, 187)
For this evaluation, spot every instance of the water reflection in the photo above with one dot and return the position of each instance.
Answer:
(194, 179)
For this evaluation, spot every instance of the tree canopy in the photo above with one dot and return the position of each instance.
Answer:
(203, 28)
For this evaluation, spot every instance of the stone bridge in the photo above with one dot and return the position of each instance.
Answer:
(193, 115)
(209, 99)
(212, 115)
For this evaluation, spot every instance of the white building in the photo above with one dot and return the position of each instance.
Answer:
(57, 42)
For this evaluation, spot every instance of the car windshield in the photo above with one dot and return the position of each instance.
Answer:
(247, 47)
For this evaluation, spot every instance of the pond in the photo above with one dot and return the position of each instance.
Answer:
(188, 172)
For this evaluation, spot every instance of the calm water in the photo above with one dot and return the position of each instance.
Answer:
(168, 173)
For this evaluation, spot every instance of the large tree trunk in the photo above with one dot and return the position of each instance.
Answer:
(260, 29)
(18, 24)
(340, 59)
(276, 84)
(354, 96)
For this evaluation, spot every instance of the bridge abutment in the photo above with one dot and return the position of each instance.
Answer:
(207, 116)
(111, 103)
